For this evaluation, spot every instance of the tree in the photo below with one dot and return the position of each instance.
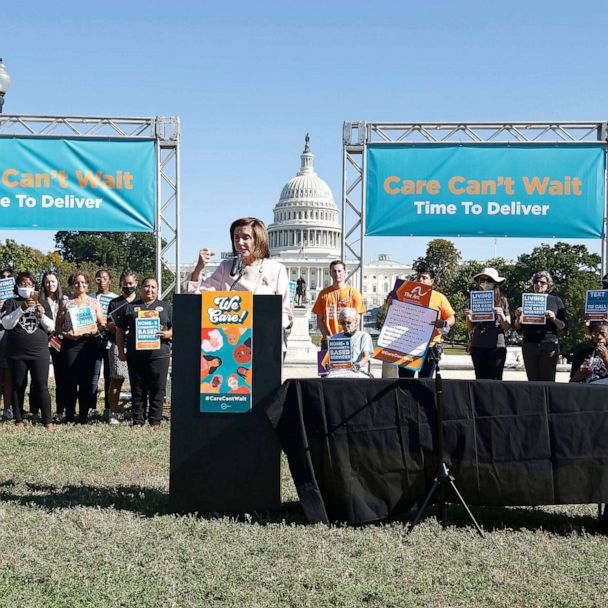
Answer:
(574, 270)
(443, 257)
(119, 250)
(113, 251)
(21, 257)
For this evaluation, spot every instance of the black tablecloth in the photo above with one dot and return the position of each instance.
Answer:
(362, 450)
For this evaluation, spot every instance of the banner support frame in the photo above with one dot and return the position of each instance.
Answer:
(164, 130)
(357, 135)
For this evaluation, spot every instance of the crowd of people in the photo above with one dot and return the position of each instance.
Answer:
(90, 332)
(81, 333)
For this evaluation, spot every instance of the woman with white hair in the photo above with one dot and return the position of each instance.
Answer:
(361, 345)
(540, 346)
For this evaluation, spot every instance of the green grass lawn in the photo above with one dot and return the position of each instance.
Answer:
(84, 522)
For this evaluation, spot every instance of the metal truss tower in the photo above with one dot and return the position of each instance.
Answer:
(356, 136)
(161, 129)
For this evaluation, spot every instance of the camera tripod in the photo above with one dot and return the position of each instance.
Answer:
(443, 479)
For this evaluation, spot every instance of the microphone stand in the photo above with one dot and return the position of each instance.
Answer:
(443, 478)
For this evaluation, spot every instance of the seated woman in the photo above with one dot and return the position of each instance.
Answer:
(590, 361)
(361, 346)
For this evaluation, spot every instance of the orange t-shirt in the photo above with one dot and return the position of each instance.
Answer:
(332, 300)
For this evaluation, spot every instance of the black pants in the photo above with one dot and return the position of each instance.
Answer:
(428, 367)
(103, 358)
(79, 359)
(489, 363)
(148, 375)
(60, 379)
(39, 389)
(540, 360)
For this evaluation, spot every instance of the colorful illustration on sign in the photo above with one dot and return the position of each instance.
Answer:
(226, 352)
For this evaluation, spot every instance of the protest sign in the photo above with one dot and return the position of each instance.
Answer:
(83, 320)
(596, 304)
(482, 306)
(409, 326)
(147, 327)
(534, 306)
(226, 376)
(340, 353)
(7, 289)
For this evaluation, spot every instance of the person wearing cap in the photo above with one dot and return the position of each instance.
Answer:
(445, 320)
(540, 346)
(488, 346)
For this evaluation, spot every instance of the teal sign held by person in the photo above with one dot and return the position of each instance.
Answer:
(490, 190)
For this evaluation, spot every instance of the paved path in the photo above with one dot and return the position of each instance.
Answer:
(453, 366)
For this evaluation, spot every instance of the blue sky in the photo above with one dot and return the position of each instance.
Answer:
(248, 80)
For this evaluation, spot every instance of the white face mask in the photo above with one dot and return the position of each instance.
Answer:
(487, 285)
(25, 292)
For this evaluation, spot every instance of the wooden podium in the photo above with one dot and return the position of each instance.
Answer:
(224, 463)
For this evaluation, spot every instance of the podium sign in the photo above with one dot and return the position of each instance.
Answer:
(226, 351)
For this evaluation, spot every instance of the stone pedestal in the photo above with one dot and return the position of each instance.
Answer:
(300, 348)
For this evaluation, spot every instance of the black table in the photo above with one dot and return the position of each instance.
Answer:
(362, 450)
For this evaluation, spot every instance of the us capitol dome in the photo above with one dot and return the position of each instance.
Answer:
(305, 236)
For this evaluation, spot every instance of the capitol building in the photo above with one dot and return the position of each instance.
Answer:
(306, 235)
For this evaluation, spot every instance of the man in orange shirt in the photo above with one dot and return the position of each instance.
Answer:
(445, 320)
(333, 299)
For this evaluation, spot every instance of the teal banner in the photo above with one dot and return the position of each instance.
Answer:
(77, 184)
(474, 190)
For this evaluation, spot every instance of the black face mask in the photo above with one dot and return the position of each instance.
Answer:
(128, 289)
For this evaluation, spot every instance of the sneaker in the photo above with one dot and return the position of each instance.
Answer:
(113, 419)
(7, 414)
(106, 415)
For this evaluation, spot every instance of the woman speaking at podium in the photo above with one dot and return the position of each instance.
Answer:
(250, 269)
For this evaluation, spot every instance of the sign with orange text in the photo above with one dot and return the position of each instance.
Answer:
(77, 184)
(226, 352)
(518, 190)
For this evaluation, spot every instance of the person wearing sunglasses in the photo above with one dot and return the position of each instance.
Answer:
(540, 345)
(488, 344)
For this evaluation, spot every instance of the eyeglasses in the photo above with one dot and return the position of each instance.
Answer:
(540, 282)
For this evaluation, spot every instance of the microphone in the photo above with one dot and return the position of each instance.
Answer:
(237, 265)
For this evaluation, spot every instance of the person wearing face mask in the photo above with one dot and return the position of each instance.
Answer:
(540, 346)
(148, 367)
(250, 270)
(51, 291)
(118, 368)
(488, 344)
(28, 322)
(80, 346)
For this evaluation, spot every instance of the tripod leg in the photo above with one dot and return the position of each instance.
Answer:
(466, 508)
(414, 522)
(442, 511)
